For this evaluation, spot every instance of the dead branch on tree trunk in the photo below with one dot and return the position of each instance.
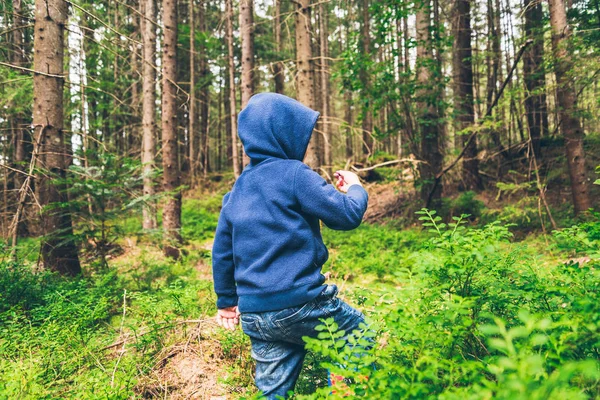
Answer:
(488, 113)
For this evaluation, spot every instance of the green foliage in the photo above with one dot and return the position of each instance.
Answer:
(583, 238)
(54, 331)
(101, 194)
(199, 218)
(474, 316)
(370, 249)
(465, 203)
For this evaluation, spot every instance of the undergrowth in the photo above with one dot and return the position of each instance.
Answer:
(476, 316)
(456, 311)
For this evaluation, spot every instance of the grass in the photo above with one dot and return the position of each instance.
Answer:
(55, 333)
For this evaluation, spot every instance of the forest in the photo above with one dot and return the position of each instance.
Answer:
(473, 125)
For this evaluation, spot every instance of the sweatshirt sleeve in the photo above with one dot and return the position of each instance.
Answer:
(318, 198)
(222, 264)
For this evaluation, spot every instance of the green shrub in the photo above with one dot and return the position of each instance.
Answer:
(465, 203)
(475, 317)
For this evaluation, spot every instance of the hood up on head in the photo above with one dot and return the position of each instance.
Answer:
(275, 126)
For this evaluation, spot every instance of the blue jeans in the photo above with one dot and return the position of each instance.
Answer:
(276, 338)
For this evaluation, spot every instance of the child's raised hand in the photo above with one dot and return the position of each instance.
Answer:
(345, 179)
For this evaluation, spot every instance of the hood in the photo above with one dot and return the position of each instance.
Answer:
(275, 126)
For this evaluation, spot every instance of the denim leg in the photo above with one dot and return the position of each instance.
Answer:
(278, 368)
(277, 338)
(295, 323)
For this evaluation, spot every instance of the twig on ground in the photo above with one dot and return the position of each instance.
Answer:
(166, 325)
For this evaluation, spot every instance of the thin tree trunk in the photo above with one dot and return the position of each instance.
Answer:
(232, 103)
(304, 74)
(218, 163)
(427, 113)
(325, 91)
(534, 75)
(367, 118)
(348, 118)
(247, 36)
(316, 63)
(204, 93)
(134, 133)
(22, 134)
(59, 252)
(278, 67)
(193, 147)
(463, 82)
(566, 95)
(148, 110)
(171, 173)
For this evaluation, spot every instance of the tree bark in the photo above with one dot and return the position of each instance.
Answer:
(59, 252)
(566, 95)
(232, 103)
(325, 90)
(304, 74)
(367, 114)
(132, 142)
(463, 91)
(192, 134)
(247, 36)
(171, 173)
(148, 109)
(278, 67)
(427, 118)
(534, 75)
(204, 93)
(348, 118)
(22, 135)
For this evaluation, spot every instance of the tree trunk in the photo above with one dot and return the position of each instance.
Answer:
(247, 36)
(232, 103)
(367, 114)
(463, 91)
(19, 123)
(278, 67)
(132, 142)
(171, 173)
(348, 118)
(59, 252)
(204, 93)
(304, 74)
(148, 109)
(427, 119)
(325, 94)
(534, 75)
(192, 136)
(218, 158)
(566, 95)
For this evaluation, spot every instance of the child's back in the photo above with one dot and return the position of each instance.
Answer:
(269, 225)
(268, 250)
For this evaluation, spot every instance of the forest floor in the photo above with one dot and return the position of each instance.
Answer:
(144, 327)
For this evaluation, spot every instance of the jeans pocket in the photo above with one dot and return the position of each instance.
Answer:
(251, 327)
(292, 315)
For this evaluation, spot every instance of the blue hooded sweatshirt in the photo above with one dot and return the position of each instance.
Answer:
(268, 251)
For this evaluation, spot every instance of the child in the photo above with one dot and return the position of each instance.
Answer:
(268, 250)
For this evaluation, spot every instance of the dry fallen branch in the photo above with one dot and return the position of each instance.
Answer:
(383, 164)
(166, 325)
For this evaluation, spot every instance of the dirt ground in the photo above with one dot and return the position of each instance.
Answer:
(187, 371)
